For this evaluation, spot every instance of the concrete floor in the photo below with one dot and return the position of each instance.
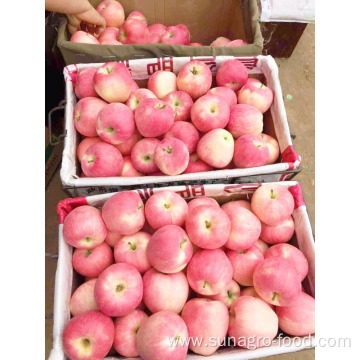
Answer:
(297, 76)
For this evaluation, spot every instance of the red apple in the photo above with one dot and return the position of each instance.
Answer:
(181, 102)
(162, 83)
(280, 233)
(233, 74)
(126, 146)
(273, 147)
(225, 93)
(84, 38)
(196, 165)
(186, 132)
(220, 41)
(137, 96)
(233, 206)
(262, 245)
(112, 238)
(112, 11)
(134, 31)
(84, 84)
(250, 291)
(137, 15)
(156, 32)
(229, 295)
(142, 155)
(196, 44)
(203, 200)
(186, 33)
(111, 42)
(84, 145)
(175, 35)
(237, 42)
(129, 169)
(83, 300)
(109, 34)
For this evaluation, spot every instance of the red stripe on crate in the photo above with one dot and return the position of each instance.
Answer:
(72, 75)
(249, 63)
(67, 205)
(166, 63)
(290, 155)
(297, 194)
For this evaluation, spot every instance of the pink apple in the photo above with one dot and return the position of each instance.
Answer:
(84, 227)
(142, 155)
(126, 329)
(280, 233)
(273, 147)
(84, 38)
(126, 146)
(174, 35)
(83, 300)
(113, 82)
(277, 281)
(186, 33)
(112, 238)
(229, 295)
(131, 249)
(124, 213)
(88, 336)
(196, 165)
(208, 227)
(203, 200)
(262, 245)
(129, 169)
(169, 249)
(84, 84)
(163, 336)
(226, 94)
(134, 86)
(207, 320)
(220, 41)
(134, 31)
(252, 322)
(156, 32)
(256, 94)
(181, 102)
(111, 42)
(153, 117)
(233, 206)
(84, 145)
(165, 291)
(237, 42)
(110, 33)
(272, 204)
(137, 96)
(137, 15)
(162, 83)
(209, 272)
(250, 151)
(194, 78)
(298, 319)
(118, 290)
(102, 160)
(250, 291)
(112, 11)
(216, 148)
(233, 74)
(85, 115)
(196, 44)
(186, 132)
(166, 208)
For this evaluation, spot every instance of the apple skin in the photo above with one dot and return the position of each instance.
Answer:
(112, 11)
(85, 115)
(251, 322)
(225, 93)
(196, 44)
(118, 290)
(134, 86)
(137, 96)
(84, 227)
(171, 156)
(237, 42)
(142, 155)
(203, 200)
(102, 160)
(216, 148)
(126, 146)
(278, 234)
(154, 117)
(194, 78)
(124, 213)
(88, 336)
(276, 281)
(126, 329)
(169, 249)
(262, 245)
(84, 85)
(181, 102)
(137, 15)
(244, 263)
(166, 208)
(178, 34)
(220, 41)
(273, 147)
(84, 38)
(131, 249)
(186, 33)
(298, 319)
(208, 227)
(233, 206)
(154, 334)
(83, 300)
(233, 74)
(196, 165)
(256, 94)
(293, 254)
(84, 145)
(156, 32)
(250, 291)
(229, 295)
(207, 320)
(109, 34)
(115, 123)
(165, 291)
(186, 132)
(129, 169)
(112, 238)
(111, 42)
(209, 272)
(92, 262)
(272, 204)
(133, 31)
(162, 83)
(210, 112)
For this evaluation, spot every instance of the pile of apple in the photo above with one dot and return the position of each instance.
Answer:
(179, 124)
(168, 271)
(135, 30)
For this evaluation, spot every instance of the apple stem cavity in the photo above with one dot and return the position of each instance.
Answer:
(91, 159)
(272, 194)
(207, 224)
(109, 130)
(119, 288)
(109, 70)
(132, 246)
(206, 283)
(160, 106)
(275, 297)
(88, 252)
(183, 243)
(86, 342)
(168, 150)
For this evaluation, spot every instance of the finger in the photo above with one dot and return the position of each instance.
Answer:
(92, 17)
(73, 24)
(99, 30)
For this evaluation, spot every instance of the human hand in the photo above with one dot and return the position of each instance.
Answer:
(90, 18)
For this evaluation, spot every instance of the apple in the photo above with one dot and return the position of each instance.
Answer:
(273, 147)
(102, 160)
(84, 145)
(162, 83)
(134, 86)
(250, 151)
(156, 32)
(111, 42)
(203, 200)
(142, 155)
(280, 233)
(112, 11)
(137, 15)
(220, 41)
(118, 290)
(196, 44)
(84, 38)
(175, 35)
(298, 319)
(126, 146)
(137, 96)
(112, 238)
(163, 336)
(110, 33)
(134, 31)
(131, 249)
(226, 94)
(208, 226)
(113, 82)
(228, 295)
(196, 165)
(206, 320)
(277, 281)
(124, 213)
(293, 254)
(126, 329)
(272, 203)
(84, 85)
(252, 322)
(181, 102)
(209, 272)
(186, 33)
(186, 132)
(84, 227)
(88, 336)
(210, 112)
(169, 249)
(85, 115)
(165, 291)
(262, 245)
(83, 300)
(250, 291)
(237, 42)
(166, 208)
(115, 123)
(194, 78)
(233, 206)
(129, 169)
(153, 117)
(233, 74)
(216, 148)
(256, 94)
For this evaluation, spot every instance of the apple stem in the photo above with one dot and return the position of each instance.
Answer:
(272, 195)
(169, 150)
(132, 246)
(194, 71)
